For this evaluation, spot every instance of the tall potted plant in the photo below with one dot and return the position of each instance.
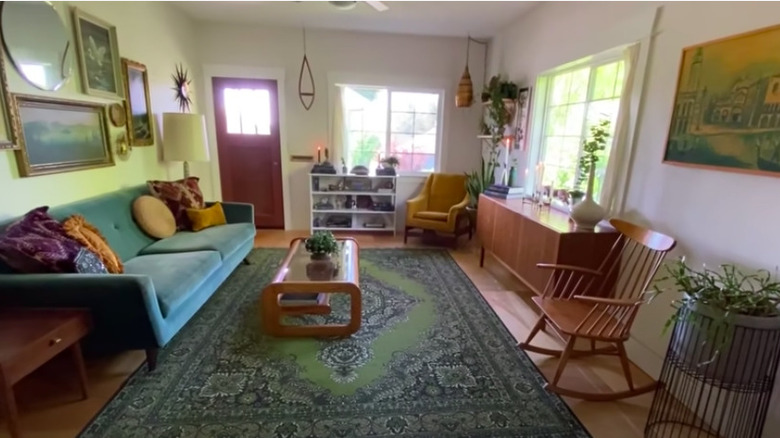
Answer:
(588, 213)
(721, 319)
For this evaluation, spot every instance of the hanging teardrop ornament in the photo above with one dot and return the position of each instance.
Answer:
(307, 97)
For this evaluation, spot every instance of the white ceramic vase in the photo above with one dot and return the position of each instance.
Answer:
(587, 213)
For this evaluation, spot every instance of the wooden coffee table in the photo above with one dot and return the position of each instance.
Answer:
(31, 337)
(310, 283)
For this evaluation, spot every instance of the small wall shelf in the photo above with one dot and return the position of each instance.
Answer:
(340, 202)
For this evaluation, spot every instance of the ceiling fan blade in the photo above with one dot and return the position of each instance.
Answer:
(379, 6)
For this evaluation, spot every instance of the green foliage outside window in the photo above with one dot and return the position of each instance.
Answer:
(366, 150)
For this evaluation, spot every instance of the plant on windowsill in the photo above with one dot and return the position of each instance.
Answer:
(587, 213)
(389, 165)
(321, 245)
(717, 305)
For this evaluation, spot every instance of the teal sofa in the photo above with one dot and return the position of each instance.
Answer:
(164, 284)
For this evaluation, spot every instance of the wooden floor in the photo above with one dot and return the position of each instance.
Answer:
(49, 405)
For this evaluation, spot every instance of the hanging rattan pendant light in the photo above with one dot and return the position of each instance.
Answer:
(465, 95)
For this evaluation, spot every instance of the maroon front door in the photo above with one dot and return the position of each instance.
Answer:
(248, 145)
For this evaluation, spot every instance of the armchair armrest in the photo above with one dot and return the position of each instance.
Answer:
(456, 209)
(416, 204)
(577, 269)
(237, 212)
(122, 305)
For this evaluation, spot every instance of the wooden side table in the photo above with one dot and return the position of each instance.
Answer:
(31, 337)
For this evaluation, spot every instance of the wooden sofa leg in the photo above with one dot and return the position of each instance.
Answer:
(151, 358)
(247, 261)
(406, 234)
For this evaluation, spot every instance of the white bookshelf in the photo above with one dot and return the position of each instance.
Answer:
(329, 193)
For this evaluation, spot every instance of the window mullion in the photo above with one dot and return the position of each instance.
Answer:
(388, 123)
(583, 131)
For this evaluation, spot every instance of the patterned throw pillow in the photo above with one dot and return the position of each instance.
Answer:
(179, 196)
(88, 235)
(37, 243)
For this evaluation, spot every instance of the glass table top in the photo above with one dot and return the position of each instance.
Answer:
(342, 266)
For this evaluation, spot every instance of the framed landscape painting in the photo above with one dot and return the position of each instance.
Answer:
(60, 136)
(98, 55)
(726, 111)
(139, 105)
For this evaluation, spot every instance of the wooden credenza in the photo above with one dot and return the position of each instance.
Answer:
(519, 235)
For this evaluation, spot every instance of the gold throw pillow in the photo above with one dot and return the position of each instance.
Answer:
(202, 218)
(86, 234)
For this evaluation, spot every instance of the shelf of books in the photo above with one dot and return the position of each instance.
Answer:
(340, 202)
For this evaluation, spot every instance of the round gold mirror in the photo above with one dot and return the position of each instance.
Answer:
(37, 43)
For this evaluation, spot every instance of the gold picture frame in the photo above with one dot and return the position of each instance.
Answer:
(9, 136)
(58, 135)
(98, 55)
(726, 111)
(140, 122)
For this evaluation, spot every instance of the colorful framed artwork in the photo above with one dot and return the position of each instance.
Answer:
(98, 55)
(139, 105)
(521, 117)
(60, 136)
(726, 113)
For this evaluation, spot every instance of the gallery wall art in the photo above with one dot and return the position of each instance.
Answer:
(139, 105)
(60, 135)
(726, 111)
(98, 55)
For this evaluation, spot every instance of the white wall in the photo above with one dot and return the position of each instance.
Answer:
(405, 60)
(152, 33)
(716, 216)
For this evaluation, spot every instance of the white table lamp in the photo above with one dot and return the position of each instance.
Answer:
(184, 139)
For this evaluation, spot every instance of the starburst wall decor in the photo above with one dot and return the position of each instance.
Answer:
(182, 88)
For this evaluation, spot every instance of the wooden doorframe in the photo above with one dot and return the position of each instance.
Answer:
(237, 71)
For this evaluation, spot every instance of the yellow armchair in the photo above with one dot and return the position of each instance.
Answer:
(440, 206)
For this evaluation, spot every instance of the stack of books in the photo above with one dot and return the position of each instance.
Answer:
(505, 192)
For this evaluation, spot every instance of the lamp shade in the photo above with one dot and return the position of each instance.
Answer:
(184, 137)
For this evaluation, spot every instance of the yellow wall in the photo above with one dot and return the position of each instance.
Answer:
(153, 33)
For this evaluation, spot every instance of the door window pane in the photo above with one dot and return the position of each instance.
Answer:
(247, 111)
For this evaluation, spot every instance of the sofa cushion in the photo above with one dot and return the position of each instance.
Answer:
(222, 238)
(37, 243)
(202, 218)
(432, 215)
(154, 217)
(86, 234)
(175, 276)
(179, 195)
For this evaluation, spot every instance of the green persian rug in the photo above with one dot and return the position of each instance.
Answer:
(431, 359)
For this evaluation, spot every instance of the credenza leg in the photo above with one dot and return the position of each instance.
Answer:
(481, 256)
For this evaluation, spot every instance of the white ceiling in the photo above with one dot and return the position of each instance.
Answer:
(479, 18)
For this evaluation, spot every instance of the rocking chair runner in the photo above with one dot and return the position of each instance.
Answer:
(569, 306)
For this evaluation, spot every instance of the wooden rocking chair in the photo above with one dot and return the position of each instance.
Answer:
(600, 305)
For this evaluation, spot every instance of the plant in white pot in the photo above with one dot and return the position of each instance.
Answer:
(587, 213)
(722, 317)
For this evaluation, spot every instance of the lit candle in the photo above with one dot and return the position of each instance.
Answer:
(319, 149)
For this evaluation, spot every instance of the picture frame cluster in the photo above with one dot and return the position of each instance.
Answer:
(51, 134)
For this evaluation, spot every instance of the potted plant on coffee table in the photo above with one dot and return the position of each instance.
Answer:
(321, 245)
(721, 319)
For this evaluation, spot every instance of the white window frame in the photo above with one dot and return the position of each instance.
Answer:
(396, 89)
(541, 104)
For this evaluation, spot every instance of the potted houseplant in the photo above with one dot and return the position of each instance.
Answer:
(722, 317)
(587, 213)
(388, 165)
(321, 245)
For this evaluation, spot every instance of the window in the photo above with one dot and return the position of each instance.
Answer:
(248, 111)
(576, 99)
(382, 122)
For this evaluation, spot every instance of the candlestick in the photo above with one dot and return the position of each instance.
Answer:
(319, 149)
